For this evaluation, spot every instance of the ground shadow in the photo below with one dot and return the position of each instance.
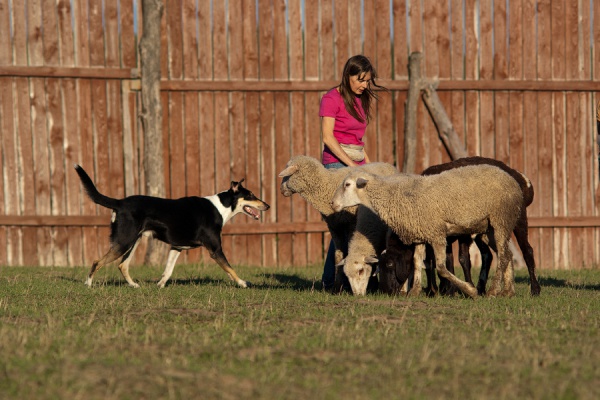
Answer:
(557, 283)
(288, 281)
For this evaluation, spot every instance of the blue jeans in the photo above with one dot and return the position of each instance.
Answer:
(328, 278)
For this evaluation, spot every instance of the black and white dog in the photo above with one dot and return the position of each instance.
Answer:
(184, 223)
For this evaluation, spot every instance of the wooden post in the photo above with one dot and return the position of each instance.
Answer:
(151, 115)
(598, 150)
(410, 114)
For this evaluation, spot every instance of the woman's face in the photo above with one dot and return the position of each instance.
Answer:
(358, 83)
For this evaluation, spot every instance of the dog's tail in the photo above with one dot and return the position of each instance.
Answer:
(93, 193)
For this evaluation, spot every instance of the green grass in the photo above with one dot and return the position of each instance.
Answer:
(202, 337)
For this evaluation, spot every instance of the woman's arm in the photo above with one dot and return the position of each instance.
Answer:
(327, 124)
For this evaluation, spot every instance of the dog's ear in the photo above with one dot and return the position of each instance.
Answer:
(235, 186)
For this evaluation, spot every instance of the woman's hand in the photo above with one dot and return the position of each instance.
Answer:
(327, 124)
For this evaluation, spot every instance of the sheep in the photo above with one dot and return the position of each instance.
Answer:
(472, 200)
(365, 246)
(396, 260)
(308, 177)
(521, 229)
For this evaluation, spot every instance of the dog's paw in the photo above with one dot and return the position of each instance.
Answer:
(244, 284)
(161, 284)
(134, 285)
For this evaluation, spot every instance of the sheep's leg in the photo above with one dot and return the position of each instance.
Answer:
(521, 234)
(504, 257)
(338, 287)
(446, 287)
(432, 287)
(509, 280)
(486, 263)
(464, 257)
(440, 253)
(418, 265)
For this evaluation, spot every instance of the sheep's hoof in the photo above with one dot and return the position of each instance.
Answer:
(506, 293)
(414, 292)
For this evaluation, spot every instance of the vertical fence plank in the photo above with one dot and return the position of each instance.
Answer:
(56, 129)
(8, 198)
(382, 126)
(282, 135)
(251, 118)
(237, 133)
(341, 39)
(573, 135)
(297, 131)
(356, 29)
(24, 239)
(558, 48)
(457, 56)
(207, 107)
(222, 129)
(74, 245)
(400, 61)
(531, 102)
(267, 127)
(312, 51)
(327, 66)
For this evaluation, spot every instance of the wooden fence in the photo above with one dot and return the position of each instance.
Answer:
(240, 95)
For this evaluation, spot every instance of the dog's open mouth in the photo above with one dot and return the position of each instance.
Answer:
(251, 211)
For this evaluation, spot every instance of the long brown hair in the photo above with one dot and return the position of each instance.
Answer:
(359, 65)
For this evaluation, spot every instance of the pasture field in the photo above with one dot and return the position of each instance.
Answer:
(201, 337)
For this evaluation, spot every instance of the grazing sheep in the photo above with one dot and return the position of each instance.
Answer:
(521, 229)
(365, 246)
(395, 259)
(471, 200)
(308, 177)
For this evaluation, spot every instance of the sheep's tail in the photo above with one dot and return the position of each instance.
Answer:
(92, 192)
(527, 191)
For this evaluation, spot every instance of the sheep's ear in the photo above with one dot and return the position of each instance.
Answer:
(291, 170)
(371, 259)
(341, 263)
(361, 183)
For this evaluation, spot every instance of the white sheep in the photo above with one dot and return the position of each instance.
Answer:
(316, 184)
(365, 247)
(423, 210)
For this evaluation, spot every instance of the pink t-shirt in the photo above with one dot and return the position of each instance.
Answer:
(347, 129)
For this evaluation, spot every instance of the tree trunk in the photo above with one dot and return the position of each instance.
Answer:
(151, 115)
(445, 129)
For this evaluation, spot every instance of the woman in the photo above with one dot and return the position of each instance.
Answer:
(345, 112)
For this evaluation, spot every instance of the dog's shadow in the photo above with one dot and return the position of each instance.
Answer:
(287, 282)
(265, 281)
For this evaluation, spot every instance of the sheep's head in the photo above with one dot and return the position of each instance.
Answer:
(359, 271)
(349, 192)
(296, 173)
